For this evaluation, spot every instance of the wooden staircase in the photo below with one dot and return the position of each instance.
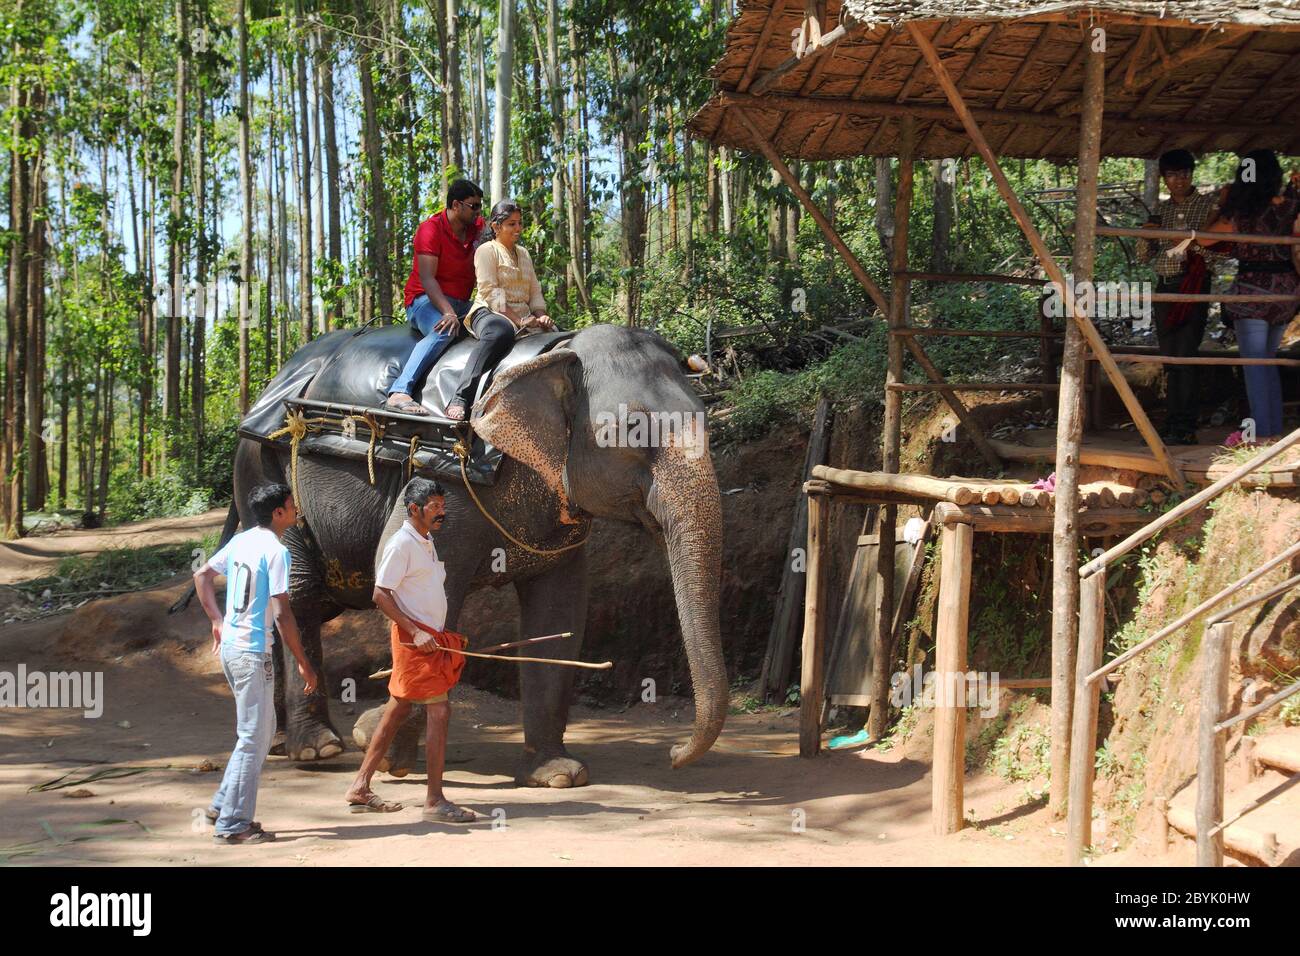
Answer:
(1268, 832)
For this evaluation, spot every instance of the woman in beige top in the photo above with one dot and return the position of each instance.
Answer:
(508, 302)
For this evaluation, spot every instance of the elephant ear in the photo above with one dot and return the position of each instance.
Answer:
(526, 413)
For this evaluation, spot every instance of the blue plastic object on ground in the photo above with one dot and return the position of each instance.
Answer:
(851, 740)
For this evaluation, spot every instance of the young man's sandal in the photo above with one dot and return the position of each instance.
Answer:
(408, 407)
(447, 812)
(250, 837)
(376, 804)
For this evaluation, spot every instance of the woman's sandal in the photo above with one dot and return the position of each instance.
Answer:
(376, 804)
(408, 407)
(455, 411)
(447, 812)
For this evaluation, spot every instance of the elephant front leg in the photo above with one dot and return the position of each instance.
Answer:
(553, 602)
(308, 733)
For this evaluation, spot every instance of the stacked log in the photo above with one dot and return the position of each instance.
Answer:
(1095, 495)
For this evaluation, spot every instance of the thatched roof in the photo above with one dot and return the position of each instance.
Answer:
(1203, 74)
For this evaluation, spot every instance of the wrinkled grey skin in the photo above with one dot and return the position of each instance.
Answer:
(543, 414)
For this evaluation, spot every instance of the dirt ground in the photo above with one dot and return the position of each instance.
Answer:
(749, 802)
(35, 556)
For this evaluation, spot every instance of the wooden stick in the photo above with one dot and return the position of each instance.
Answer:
(899, 315)
(970, 277)
(828, 40)
(946, 798)
(1048, 262)
(1083, 731)
(1202, 360)
(530, 640)
(978, 333)
(973, 387)
(1180, 234)
(810, 679)
(1219, 297)
(1210, 771)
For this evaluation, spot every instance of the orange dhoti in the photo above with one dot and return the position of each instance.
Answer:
(422, 678)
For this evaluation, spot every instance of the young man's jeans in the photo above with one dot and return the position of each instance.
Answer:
(1257, 339)
(422, 315)
(252, 677)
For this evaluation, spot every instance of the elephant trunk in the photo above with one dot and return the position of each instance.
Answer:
(684, 500)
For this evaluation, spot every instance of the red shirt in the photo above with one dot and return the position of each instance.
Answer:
(455, 273)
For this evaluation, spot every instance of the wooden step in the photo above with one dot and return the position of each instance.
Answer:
(1268, 835)
(1280, 749)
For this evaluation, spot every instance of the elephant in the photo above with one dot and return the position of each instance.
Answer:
(551, 417)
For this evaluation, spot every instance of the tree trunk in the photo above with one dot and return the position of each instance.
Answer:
(304, 182)
(378, 234)
(172, 367)
(16, 343)
(501, 126)
(945, 210)
(36, 465)
(203, 250)
(245, 206)
(452, 130)
(333, 312)
(885, 205)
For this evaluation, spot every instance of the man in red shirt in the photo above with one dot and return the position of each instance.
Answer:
(440, 288)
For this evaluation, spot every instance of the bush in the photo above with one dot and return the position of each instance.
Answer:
(160, 496)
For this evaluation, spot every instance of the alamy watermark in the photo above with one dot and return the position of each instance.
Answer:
(637, 428)
(930, 689)
(78, 690)
(1099, 300)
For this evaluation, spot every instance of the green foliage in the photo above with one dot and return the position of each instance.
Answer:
(165, 495)
(116, 570)
(1022, 754)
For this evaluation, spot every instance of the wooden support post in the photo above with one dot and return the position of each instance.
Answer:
(864, 277)
(1090, 333)
(946, 810)
(1087, 699)
(882, 653)
(814, 630)
(1210, 769)
(1069, 433)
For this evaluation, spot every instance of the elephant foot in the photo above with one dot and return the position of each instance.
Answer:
(315, 741)
(404, 752)
(277, 744)
(559, 771)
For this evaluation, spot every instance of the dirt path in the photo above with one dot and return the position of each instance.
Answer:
(37, 556)
(168, 705)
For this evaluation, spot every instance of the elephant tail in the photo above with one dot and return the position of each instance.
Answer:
(227, 532)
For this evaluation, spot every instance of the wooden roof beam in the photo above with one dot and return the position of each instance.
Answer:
(941, 112)
(1186, 54)
(760, 45)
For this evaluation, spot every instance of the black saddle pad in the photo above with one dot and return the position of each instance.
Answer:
(357, 368)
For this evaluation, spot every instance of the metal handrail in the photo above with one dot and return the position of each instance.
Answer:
(1089, 667)
(1194, 503)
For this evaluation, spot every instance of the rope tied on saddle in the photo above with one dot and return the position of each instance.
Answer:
(462, 452)
(297, 425)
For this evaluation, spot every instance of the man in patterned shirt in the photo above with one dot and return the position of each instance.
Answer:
(1180, 325)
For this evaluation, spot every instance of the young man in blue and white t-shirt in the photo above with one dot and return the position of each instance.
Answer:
(256, 566)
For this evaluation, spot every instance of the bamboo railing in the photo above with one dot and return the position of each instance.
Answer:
(1089, 670)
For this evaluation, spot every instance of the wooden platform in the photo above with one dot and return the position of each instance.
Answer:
(1203, 464)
